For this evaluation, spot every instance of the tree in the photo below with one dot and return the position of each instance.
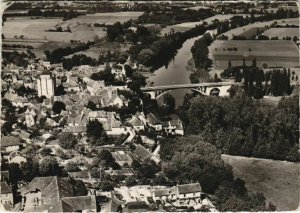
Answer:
(79, 188)
(67, 140)
(114, 31)
(130, 181)
(168, 104)
(145, 56)
(45, 151)
(128, 70)
(15, 173)
(95, 129)
(106, 186)
(191, 152)
(91, 105)
(49, 167)
(58, 107)
(60, 90)
(30, 170)
(71, 167)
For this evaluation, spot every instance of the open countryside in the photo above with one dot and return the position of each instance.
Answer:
(278, 180)
(161, 106)
(272, 53)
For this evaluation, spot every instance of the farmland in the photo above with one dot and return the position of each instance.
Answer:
(33, 31)
(249, 32)
(282, 32)
(240, 30)
(101, 48)
(188, 25)
(82, 27)
(272, 52)
(278, 180)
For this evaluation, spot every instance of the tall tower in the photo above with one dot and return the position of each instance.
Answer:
(45, 85)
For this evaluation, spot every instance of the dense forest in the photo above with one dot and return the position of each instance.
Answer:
(244, 126)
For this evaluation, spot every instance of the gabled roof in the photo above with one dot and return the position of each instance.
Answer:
(134, 121)
(81, 202)
(39, 183)
(165, 192)
(5, 189)
(7, 141)
(153, 119)
(57, 189)
(189, 188)
(80, 174)
(137, 205)
(61, 206)
(142, 152)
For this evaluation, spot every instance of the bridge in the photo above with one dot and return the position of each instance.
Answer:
(215, 88)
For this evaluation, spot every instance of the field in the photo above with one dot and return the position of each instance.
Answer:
(82, 29)
(35, 29)
(272, 52)
(240, 30)
(249, 32)
(102, 48)
(189, 25)
(278, 180)
(282, 32)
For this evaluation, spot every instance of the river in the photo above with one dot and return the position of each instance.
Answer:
(176, 72)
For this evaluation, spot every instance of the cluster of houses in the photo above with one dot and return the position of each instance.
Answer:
(182, 196)
(33, 92)
(57, 194)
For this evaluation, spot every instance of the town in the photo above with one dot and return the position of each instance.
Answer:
(149, 112)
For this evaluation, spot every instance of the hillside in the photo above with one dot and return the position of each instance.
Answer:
(278, 180)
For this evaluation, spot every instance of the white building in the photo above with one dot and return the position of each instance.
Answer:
(45, 85)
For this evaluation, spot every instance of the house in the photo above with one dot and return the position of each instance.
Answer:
(16, 157)
(136, 206)
(76, 129)
(173, 127)
(51, 122)
(95, 87)
(179, 192)
(4, 175)
(77, 204)
(120, 172)
(7, 198)
(110, 97)
(110, 122)
(144, 154)
(154, 122)
(10, 144)
(30, 116)
(85, 176)
(54, 194)
(113, 205)
(122, 158)
(72, 83)
(165, 194)
(136, 123)
(47, 103)
(16, 100)
(188, 191)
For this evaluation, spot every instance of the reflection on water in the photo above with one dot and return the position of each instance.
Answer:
(176, 72)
